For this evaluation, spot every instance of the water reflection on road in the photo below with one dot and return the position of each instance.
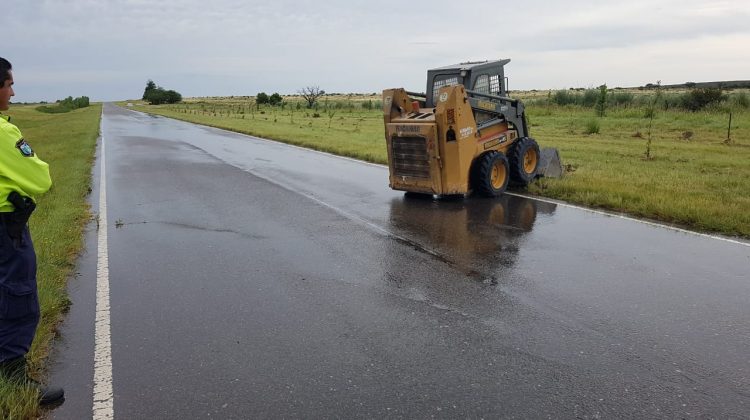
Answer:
(482, 237)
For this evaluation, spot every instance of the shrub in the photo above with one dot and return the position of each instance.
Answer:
(160, 96)
(741, 100)
(65, 105)
(670, 101)
(262, 98)
(591, 127)
(621, 98)
(156, 95)
(697, 99)
(590, 97)
(564, 97)
(274, 99)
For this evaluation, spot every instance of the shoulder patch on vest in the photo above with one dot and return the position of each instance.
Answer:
(24, 148)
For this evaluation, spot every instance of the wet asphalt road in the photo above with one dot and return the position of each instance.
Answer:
(250, 279)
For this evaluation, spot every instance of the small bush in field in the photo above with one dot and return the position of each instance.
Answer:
(591, 127)
(697, 99)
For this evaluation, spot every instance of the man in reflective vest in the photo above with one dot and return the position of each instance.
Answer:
(22, 176)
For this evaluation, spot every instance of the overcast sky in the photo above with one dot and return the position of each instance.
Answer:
(108, 49)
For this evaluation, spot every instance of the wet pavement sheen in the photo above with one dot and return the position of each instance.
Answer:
(251, 279)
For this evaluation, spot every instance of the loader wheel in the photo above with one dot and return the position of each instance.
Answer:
(524, 161)
(490, 175)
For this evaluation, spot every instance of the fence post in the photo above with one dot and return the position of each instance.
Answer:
(729, 129)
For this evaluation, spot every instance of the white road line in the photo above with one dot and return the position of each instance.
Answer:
(632, 219)
(351, 216)
(103, 394)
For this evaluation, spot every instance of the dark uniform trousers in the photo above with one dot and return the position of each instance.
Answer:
(19, 303)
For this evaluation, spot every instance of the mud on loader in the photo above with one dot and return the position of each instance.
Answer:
(463, 135)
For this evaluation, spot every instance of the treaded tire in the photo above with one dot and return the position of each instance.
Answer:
(524, 158)
(490, 174)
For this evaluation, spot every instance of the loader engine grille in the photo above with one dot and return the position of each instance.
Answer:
(410, 157)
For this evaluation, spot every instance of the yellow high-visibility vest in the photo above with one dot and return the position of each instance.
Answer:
(20, 168)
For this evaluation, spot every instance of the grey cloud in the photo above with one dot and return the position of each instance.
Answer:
(108, 49)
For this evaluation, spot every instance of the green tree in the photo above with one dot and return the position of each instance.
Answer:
(262, 98)
(150, 86)
(275, 99)
(172, 97)
(161, 96)
(81, 102)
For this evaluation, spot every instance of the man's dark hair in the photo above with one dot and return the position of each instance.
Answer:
(5, 68)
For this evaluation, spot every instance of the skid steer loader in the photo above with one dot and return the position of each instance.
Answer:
(465, 134)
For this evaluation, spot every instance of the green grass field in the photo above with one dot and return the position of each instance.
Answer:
(692, 179)
(67, 143)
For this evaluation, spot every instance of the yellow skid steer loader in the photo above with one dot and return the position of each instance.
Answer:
(463, 135)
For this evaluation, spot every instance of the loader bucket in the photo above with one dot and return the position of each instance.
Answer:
(550, 165)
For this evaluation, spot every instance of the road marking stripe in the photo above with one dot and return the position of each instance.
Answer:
(632, 219)
(103, 394)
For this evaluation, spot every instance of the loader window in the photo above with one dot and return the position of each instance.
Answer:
(482, 84)
(495, 84)
(487, 84)
(440, 82)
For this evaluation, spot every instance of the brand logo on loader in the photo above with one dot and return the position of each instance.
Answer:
(466, 132)
(495, 142)
(486, 105)
(443, 97)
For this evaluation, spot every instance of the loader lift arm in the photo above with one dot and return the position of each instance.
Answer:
(503, 108)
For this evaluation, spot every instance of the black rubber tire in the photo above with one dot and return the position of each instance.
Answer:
(521, 173)
(482, 174)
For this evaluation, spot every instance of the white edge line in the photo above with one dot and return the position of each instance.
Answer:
(103, 407)
(530, 197)
(632, 219)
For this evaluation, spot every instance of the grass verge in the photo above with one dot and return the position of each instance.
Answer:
(691, 178)
(67, 142)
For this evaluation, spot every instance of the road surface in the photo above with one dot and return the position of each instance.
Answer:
(251, 279)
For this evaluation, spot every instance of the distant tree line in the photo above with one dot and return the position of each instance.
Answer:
(156, 95)
(65, 105)
(726, 84)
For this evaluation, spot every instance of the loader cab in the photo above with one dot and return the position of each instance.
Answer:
(481, 76)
